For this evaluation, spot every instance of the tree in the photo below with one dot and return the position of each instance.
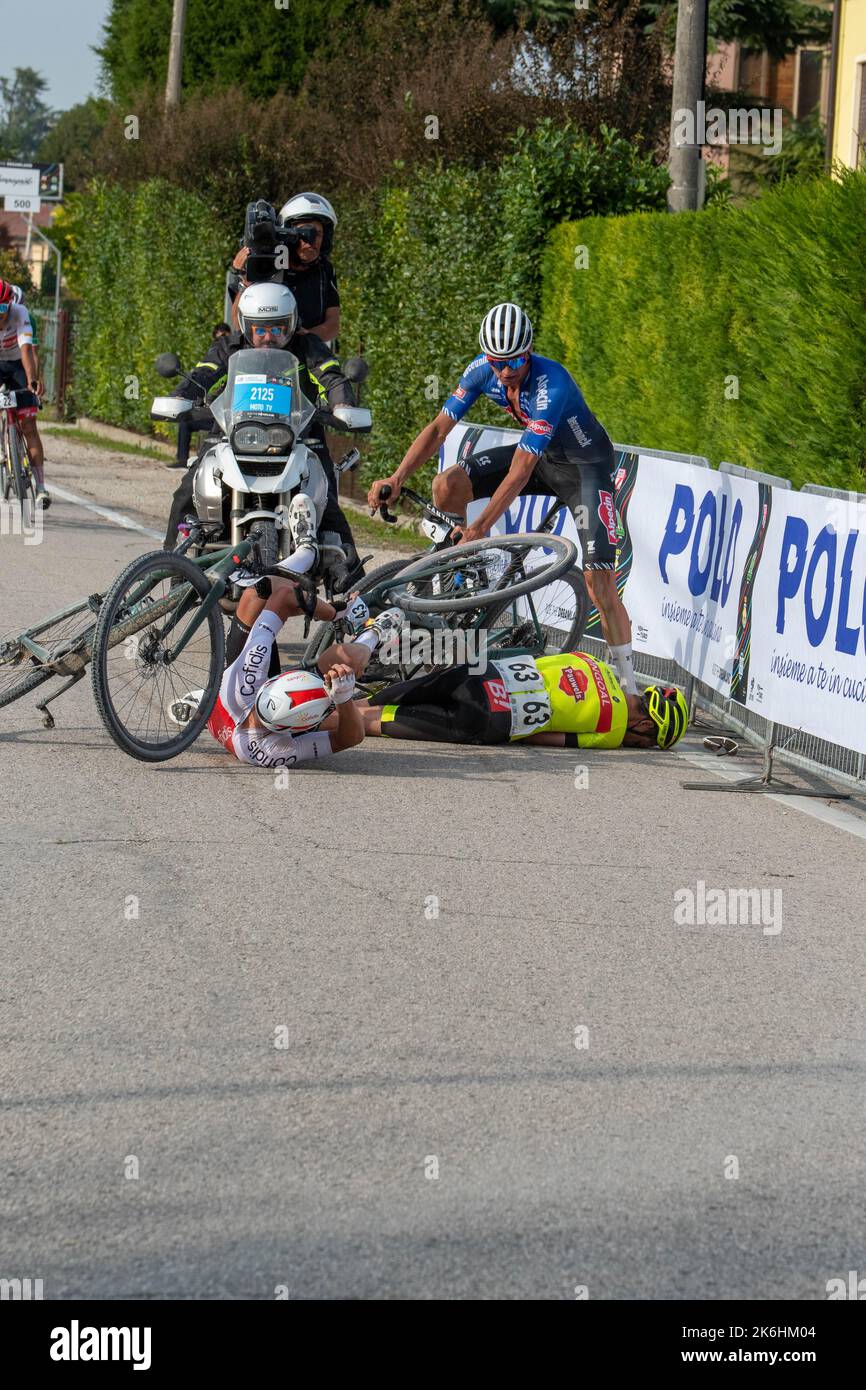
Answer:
(25, 119)
(779, 26)
(262, 49)
(72, 139)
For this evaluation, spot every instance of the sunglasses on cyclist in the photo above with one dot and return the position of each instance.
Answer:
(4, 308)
(513, 363)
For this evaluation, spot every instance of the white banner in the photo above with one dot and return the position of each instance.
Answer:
(756, 590)
(690, 531)
(808, 648)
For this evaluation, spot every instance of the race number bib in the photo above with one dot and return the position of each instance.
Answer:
(254, 394)
(527, 695)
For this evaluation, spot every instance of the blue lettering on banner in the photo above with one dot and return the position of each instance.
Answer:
(818, 582)
(680, 528)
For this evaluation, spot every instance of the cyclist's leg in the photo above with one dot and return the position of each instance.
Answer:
(181, 504)
(477, 476)
(599, 541)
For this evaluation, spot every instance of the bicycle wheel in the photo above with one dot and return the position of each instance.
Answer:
(63, 640)
(139, 667)
(550, 620)
(471, 576)
(6, 479)
(22, 482)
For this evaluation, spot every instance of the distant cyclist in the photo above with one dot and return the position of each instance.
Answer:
(566, 701)
(563, 450)
(19, 372)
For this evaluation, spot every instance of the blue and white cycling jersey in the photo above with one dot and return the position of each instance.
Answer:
(556, 419)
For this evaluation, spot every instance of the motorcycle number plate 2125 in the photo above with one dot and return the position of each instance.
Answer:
(259, 396)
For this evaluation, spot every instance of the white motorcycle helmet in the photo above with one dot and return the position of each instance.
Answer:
(304, 205)
(295, 702)
(267, 305)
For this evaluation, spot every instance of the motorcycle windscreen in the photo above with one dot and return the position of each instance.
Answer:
(262, 385)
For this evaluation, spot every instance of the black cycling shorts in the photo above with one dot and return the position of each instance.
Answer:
(444, 707)
(14, 378)
(588, 486)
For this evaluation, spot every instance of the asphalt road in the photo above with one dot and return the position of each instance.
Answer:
(422, 929)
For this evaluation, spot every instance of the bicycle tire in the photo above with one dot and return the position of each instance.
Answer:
(18, 481)
(162, 563)
(536, 579)
(35, 676)
(575, 580)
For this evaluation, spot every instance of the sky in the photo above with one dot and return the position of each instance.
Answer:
(55, 38)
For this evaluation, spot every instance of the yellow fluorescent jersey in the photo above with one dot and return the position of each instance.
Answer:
(567, 694)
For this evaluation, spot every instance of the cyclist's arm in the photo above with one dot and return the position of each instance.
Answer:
(423, 447)
(30, 362)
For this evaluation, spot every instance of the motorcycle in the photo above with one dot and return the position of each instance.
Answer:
(256, 458)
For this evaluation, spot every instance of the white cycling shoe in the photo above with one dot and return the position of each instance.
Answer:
(387, 625)
(181, 711)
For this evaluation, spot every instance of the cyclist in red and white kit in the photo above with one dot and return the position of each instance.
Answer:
(300, 715)
(19, 372)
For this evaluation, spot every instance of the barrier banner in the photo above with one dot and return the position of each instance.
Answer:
(690, 530)
(808, 643)
(756, 590)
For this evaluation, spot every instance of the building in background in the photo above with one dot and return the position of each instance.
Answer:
(847, 117)
(31, 249)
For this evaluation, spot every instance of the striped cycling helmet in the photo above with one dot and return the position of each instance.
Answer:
(505, 331)
(8, 293)
(667, 708)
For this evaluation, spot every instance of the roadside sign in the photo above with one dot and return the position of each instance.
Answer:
(20, 180)
(43, 181)
(18, 202)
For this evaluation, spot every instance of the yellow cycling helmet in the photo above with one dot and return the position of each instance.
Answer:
(666, 707)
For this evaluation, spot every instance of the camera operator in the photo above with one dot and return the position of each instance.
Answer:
(292, 250)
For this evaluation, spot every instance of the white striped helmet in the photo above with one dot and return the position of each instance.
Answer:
(505, 331)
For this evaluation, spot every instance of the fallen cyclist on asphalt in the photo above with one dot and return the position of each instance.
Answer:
(299, 715)
(565, 701)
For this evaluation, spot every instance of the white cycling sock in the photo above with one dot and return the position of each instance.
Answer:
(623, 660)
(302, 560)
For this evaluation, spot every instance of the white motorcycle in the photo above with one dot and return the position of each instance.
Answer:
(260, 461)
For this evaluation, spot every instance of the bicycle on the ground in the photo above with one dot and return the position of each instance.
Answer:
(510, 591)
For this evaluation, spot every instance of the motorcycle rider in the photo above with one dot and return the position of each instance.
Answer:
(309, 274)
(268, 316)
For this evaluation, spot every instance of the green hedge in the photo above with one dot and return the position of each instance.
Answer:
(669, 307)
(149, 265)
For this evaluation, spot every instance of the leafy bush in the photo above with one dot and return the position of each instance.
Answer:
(149, 265)
(735, 333)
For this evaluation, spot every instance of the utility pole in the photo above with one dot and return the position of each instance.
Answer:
(690, 62)
(175, 55)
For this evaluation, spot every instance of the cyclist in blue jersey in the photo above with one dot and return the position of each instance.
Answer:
(563, 451)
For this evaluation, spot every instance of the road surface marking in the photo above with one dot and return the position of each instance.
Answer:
(110, 515)
(831, 815)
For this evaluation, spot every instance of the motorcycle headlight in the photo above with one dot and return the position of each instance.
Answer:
(262, 439)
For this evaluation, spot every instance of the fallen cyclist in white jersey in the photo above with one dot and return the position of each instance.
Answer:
(299, 715)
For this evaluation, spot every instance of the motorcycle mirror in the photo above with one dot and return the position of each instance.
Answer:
(356, 369)
(168, 364)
